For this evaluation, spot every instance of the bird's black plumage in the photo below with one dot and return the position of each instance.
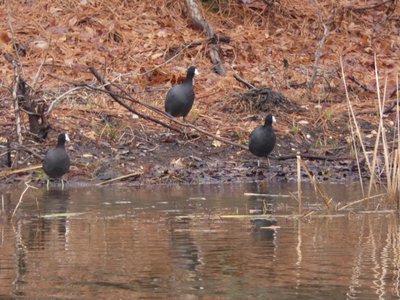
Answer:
(262, 139)
(180, 98)
(56, 162)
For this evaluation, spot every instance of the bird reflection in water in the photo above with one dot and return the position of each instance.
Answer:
(53, 202)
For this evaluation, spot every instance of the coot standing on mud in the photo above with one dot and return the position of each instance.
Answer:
(262, 139)
(180, 98)
(56, 162)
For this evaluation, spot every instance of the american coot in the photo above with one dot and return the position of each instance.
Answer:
(56, 162)
(180, 98)
(262, 139)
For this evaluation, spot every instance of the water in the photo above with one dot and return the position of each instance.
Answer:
(174, 242)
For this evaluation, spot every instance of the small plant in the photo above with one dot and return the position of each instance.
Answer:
(242, 136)
(295, 129)
(109, 131)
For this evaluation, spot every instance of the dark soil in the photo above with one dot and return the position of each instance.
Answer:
(166, 158)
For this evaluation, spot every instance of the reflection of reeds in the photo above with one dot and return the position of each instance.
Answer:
(391, 165)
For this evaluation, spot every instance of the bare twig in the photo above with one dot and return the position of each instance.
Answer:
(15, 45)
(318, 54)
(131, 109)
(353, 79)
(22, 195)
(53, 103)
(241, 80)
(39, 71)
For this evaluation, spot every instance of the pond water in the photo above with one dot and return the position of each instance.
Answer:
(181, 243)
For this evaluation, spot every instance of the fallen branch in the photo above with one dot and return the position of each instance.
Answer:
(131, 109)
(172, 119)
(241, 80)
(138, 173)
(118, 97)
(309, 157)
(200, 22)
(353, 79)
(6, 173)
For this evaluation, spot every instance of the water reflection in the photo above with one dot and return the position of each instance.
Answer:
(133, 243)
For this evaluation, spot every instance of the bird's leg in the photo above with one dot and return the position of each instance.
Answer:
(62, 184)
(184, 129)
(258, 163)
(48, 183)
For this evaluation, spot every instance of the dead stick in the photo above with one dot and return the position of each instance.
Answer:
(200, 22)
(6, 173)
(121, 177)
(318, 54)
(309, 157)
(14, 63)
(353, 79)
(28, 186)
(142, 115)
(241, 80)
(205, 132)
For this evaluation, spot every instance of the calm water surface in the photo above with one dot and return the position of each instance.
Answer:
(174, 242)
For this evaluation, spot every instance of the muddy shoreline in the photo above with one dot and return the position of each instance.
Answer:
(155, 156)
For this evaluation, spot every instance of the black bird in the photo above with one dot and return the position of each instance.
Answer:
(56, 162)
(262, 139)
(180, 98)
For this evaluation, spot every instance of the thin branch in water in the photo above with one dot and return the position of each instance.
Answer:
(359, 201)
